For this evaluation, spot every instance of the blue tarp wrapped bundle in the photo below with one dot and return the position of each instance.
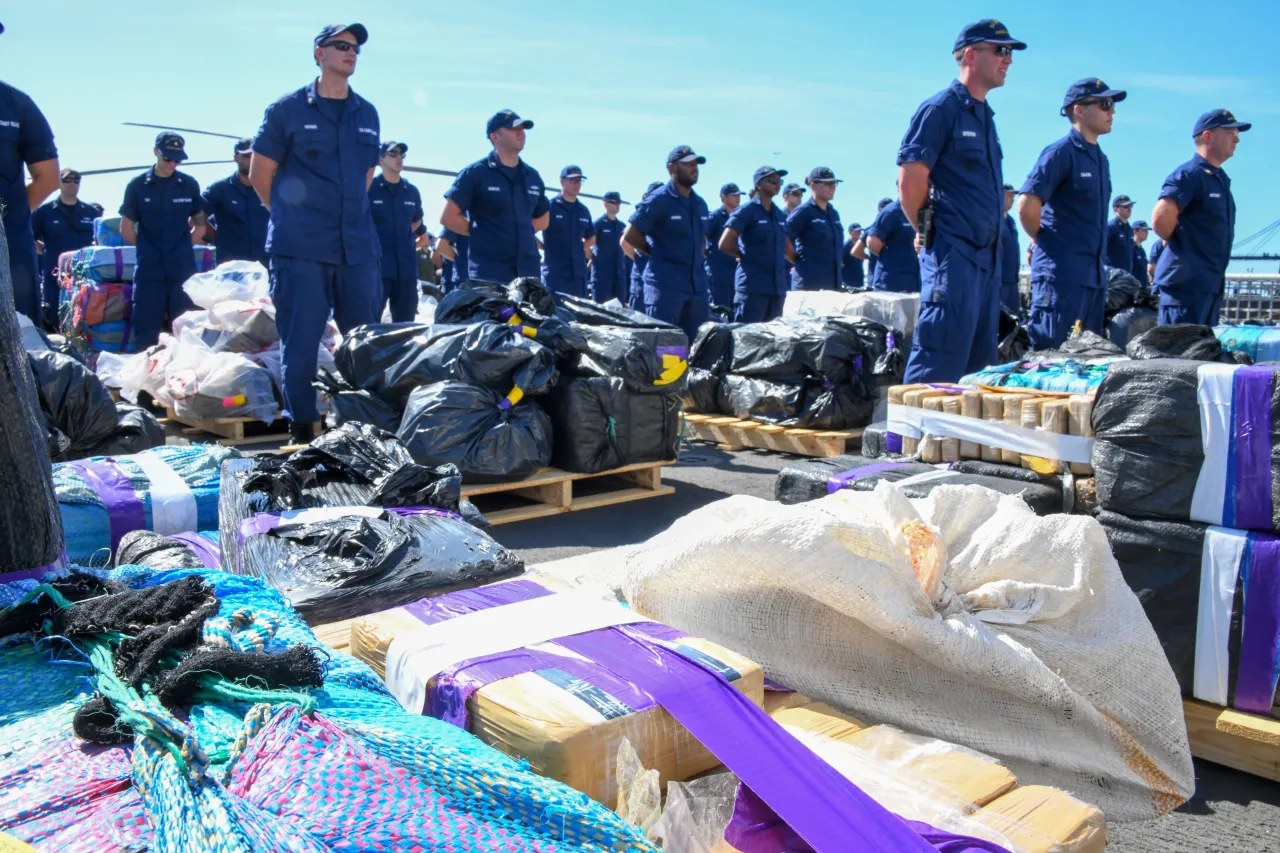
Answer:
(1260, 343)
(1066, 376)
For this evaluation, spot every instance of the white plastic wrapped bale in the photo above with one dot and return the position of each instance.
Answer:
(962, 616)
(233, 281)
(896, 310)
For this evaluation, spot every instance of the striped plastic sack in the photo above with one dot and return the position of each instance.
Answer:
(1260, 343)
(106, 232)
(105, 263)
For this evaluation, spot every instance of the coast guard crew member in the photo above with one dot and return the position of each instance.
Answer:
(63, 224)
(162, 214)
(815, 231)
(1156, 249)
(861, 251)
(25, 137)
(669, 226)
(851, 275)
(567, 238)
(952, 152)
(396, 206)
(1010, 258)
(1120, 235)
(313, 162)
(236, 214)
(892, 242)
(608, 272)
(792, 196)
(1140, 232)
(498, 203)
(721, 267)
(756, 234)
(452, 251)
(638, 263)
(1196, 216)
(1064, 211)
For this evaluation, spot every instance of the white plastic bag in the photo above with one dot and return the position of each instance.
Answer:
(207, 385)
(239, 280)
(145, 371)
(108, 367)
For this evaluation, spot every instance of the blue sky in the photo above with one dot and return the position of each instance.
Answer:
(614, 86)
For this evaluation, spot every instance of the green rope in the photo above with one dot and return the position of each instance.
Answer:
(611, 429)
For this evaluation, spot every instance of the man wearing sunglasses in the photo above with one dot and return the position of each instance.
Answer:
(499, 203)
(63, 224)
(397, 215)
(608, 271)
(568, 238)
(756, 234)
(669, 227)
(1196, 216)
(951, 153)
(817, 234)
(162, 214)
(720, 267)
(313, 162)
(236, 214)
(1064, 211)
(1120, 234)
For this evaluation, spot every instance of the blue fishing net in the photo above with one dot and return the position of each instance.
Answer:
(1066, 376)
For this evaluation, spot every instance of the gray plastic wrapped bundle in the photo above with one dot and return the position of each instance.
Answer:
(30, 524)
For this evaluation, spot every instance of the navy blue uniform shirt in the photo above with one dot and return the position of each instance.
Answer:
(62, 228)
(1073, 177)
(320, 195)
(1140, 265)
(720, 267)
(25, 138)
(454, 273)
(1195, 258)
(1120, 244)
(762, 247)
(675, 227)
(395, 208)
(240, 219)
(955, 136)
(898, 267)
(608, 272)
(160, 208)
(818, 236)
(1010, 253)
(501, 203)
(1156, 248)
(562, 253)
(851, 270)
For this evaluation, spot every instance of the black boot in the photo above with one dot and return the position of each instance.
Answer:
(300, 432)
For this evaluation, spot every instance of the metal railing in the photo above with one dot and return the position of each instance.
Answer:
(1248, 298)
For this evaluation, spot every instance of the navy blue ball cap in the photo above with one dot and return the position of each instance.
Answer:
(572, 172)
(1009, 188)
(765, 172)
(684, 154)
(1141, 225)
(613, 196)
(792, 187)
(883, 203)
(391, 145)
(823, 175)
(1090, 87)
(505, 118)
(854, 226)
(656, 185)
(987, 30)
(1215, 119)
(357, 30)
(172, 146)
(730, 189)
(244, 146)
(1122, 200)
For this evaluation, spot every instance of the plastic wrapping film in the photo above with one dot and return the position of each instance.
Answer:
(183, 551)
(1129, 323)
(31, 532)
(1183, 341)
(1259, 343)
(895, 310)
(232, 326)
(1071, 376)
(234, 281)
(556, 703)
(598, 424)
(648, 355)
(207, 385)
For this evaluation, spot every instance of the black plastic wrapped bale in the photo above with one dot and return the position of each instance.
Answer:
(794, 349)
(810, 479)
(701, 392)
(879, 443)
(1123, 291)
(30, 523)
(1005, 472)
(390, 360)
(712, 348)
(1183, 340)
(476, 429)
(1014, 339)
(1086, 344)
(598, 425)
(138, 431)
(333, 565)
(1128, 323)
(585, 312)
(361, 407)
(187, 551)
(526, 303)
(836, 406)
(650, 356)
(760, 399)
(75, 405)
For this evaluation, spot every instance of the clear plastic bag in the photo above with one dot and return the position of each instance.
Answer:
(207, 385)
(238, 280)
(145, 371)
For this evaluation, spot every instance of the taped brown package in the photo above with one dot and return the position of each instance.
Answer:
(1045, 820)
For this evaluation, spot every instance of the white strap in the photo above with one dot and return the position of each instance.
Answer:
(913, 422)
(1214, 385)
(924, 477)
(1224, 550)
(173, 506)
(415, 657)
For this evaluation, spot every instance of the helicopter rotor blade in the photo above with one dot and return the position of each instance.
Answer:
(424, 170)
(140, 168)
(181, 129)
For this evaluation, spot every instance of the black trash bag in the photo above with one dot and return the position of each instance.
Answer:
(353, 565)
(138, 431)
(1015, 341)
(652, 360)
(77, 409)
(750, 397)
(585, 312)
(791, 350)
(474, 304)
(701, 392)
(891, 364)
(474, 428)
(836, 406)
(144, 548)
(1182, 340)
(525, 304)
(1084, 345)
(1128, 323)
(712, 348)
(1005, 472)
(879, 443)
(30, 521)
(533, 297)
(599, 425)
(361, 407)
(1123, 291)
(391, 359)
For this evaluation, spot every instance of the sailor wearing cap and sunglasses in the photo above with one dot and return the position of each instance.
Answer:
(63, 224)
(568, 237)
(951, 152)
(817, 234)
(608, 266)
(1120, 234)
(756, 234)
(237, 215)
(313, 162)
(397, 215)
(1064, 210)
(1196, 216)
(721, 267)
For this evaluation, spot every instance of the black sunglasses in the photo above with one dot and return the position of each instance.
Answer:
(171, 159)
(344, 46)
(71, 180)
(1104, 104)
(1002, 50)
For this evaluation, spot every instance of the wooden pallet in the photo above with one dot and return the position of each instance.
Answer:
(1238, 740)
(552, 493)
(735, 434)
(232, 432)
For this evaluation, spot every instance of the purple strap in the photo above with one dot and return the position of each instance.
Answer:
(118, 255)
(36, 574)
(209, 554)
(1260, 633)
(892, 442)
(127, 290)
(842, 480)
(124, 510)
(1249, 503)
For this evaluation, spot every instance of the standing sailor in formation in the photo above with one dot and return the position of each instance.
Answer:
(817, 235)
(63, 224)
(721, 267)
(237, 217)
(396, 206)
(756, 234)
(568, 238)
(608, 272)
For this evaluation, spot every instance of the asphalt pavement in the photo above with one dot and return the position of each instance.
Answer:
(1231, 812)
